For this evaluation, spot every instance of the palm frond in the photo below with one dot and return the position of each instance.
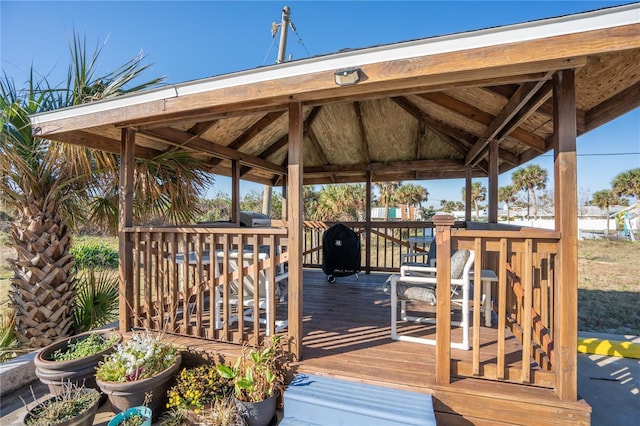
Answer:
(96, 302)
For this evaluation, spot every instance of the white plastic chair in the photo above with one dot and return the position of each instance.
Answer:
(248, 292)
(417, 282)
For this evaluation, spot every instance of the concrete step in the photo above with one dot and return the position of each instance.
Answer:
(315, 400)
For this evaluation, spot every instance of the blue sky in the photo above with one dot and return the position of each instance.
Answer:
(188, 40)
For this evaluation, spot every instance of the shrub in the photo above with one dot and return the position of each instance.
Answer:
(95, 256)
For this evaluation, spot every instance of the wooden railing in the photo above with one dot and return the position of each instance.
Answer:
(523, 298)
(382, 244)
(181, 279)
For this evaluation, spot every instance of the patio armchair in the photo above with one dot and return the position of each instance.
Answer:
(417, 282)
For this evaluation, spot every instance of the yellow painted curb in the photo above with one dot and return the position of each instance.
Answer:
(591, 345)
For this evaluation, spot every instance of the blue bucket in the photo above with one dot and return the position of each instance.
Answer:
(119, 418)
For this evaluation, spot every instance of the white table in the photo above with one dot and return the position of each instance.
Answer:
(414, 241)
(487, 277)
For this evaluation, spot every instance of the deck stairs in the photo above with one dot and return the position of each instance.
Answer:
(311, 400)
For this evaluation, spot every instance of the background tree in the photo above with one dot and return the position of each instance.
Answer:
(343, 202)
(478, 194)
(50, 184)
(386, 192)
(507, 195)
(451, 206)
(310, 201)
(605, 199)
(215, 209)
(530, 178)
(411, 194)
(628, 184)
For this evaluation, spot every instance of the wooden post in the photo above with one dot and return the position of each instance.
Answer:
(494, 157)
(467, 194)
(235, 192)
(443, 224)
(125, 219)
(367, 261)
(295, 228)
(566, 212)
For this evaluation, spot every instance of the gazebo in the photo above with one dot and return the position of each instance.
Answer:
(464, 105)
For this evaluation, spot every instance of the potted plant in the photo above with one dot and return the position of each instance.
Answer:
(134, 416)
(140, 365)
(71, 406)
(75, 359)
(197, 391)
(258, 376)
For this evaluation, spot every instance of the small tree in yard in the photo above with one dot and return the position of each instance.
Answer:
(628, 184)
(605, 199)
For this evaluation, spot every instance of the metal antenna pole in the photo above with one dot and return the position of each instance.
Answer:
(284, 27)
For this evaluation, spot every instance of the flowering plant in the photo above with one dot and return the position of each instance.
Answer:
(198, 388)
(143, 356)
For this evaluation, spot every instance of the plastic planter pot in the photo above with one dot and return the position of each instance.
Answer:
(143, 411)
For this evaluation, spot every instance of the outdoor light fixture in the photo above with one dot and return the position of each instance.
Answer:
(347, 77)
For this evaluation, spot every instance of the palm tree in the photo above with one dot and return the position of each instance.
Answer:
(341, 202)
(411, 194)
(478, 194)
(507, 195)
(628, 184)
(51, 184)
(530, 178)
(605, 199)
(387, 191)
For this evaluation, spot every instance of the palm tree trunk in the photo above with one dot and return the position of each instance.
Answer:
(534, 204)
(42, 289)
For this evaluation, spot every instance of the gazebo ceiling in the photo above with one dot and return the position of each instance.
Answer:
(424, 109)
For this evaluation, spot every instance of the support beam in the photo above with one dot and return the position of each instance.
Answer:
(125, 219)
(494, 157)
(566, 206)
(443, 224)
(235, 192)
(367, 226)
(467, 193)
(295, 228)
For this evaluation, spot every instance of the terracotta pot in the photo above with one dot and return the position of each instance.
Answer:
(77, 371)
(123, 395)
(258, 413)
(85, 418)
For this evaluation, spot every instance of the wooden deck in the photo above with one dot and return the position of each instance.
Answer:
(347, 335)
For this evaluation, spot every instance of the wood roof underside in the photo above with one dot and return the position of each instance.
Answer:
(406, 120)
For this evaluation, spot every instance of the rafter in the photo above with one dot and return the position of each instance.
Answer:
(178, 137)
(519, 99)
(480, 116)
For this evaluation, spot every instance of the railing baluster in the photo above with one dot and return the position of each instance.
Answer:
(477, 289)
(502, 308)
(527, 278)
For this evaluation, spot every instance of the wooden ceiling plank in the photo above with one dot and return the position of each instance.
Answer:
(316, 145)
(456, 136)
(173, 136)
(363, 134)
(255, 130)
(615, 106)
